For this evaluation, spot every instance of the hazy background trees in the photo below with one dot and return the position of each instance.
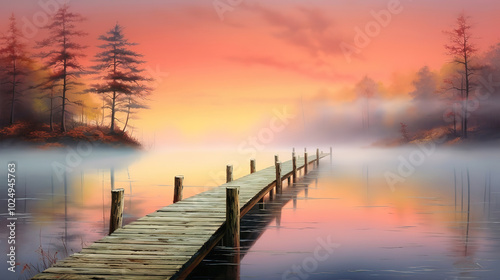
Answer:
(61, 53)
(366, 89)
(15, 63)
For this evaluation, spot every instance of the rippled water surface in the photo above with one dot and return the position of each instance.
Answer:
(382, 214)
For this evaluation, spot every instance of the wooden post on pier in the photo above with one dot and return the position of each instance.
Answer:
(232, 234)
(229, 173)
(294, 168)
(279, 182)
(276, 159)
(317, 157)
(305, 163)
(331, 158)
(252, 170)
(178, 186)
(116, 216)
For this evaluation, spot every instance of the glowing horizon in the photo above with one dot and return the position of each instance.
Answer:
(223, 78)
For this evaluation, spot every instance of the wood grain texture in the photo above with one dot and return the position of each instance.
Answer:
(116, 216)
(232, 234)
(178, 186)
(169, 243)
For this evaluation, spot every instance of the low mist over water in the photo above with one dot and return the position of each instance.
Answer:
(420, 211)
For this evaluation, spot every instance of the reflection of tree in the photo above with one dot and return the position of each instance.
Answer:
(455, 184)
(487, 193)
(65, 206)
(462, 249)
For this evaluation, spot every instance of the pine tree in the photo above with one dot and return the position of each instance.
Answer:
(122, 82)
(16, 62)
(63, 54)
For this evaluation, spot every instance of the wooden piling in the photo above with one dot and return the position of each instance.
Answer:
(331, 157)
(317, 157)
(229, 173)
(252, 170)
(279, 182)
(294, 168)
(116, 216)
(276, 159)
(178, 186)
(305, 163)
(232, 234)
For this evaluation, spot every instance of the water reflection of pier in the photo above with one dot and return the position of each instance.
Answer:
(223, 262)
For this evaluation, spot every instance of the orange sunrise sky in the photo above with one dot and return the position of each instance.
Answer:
(220, 75)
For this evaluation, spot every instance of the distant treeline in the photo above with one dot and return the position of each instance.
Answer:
(462, 99)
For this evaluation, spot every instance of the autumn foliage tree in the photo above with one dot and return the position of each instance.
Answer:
(61, 53)
(121, 80)
(462, 50)
(16, 61)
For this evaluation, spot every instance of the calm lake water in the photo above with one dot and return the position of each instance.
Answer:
(358, 218)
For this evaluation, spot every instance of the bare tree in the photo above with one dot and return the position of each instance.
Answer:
(16, 61)
(122, 82)
(462, 50)
(63, 54)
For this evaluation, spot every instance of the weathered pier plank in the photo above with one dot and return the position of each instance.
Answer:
(170, 242)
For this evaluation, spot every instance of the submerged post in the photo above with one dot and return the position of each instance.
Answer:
(305, 163)
(294, 163)
(317, 157)
(116, 216)
(279, 182)
(252, 166)
(178, 186)
(232, 234)
(229, 173)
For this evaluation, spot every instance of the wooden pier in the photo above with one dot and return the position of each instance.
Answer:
(171, 242)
